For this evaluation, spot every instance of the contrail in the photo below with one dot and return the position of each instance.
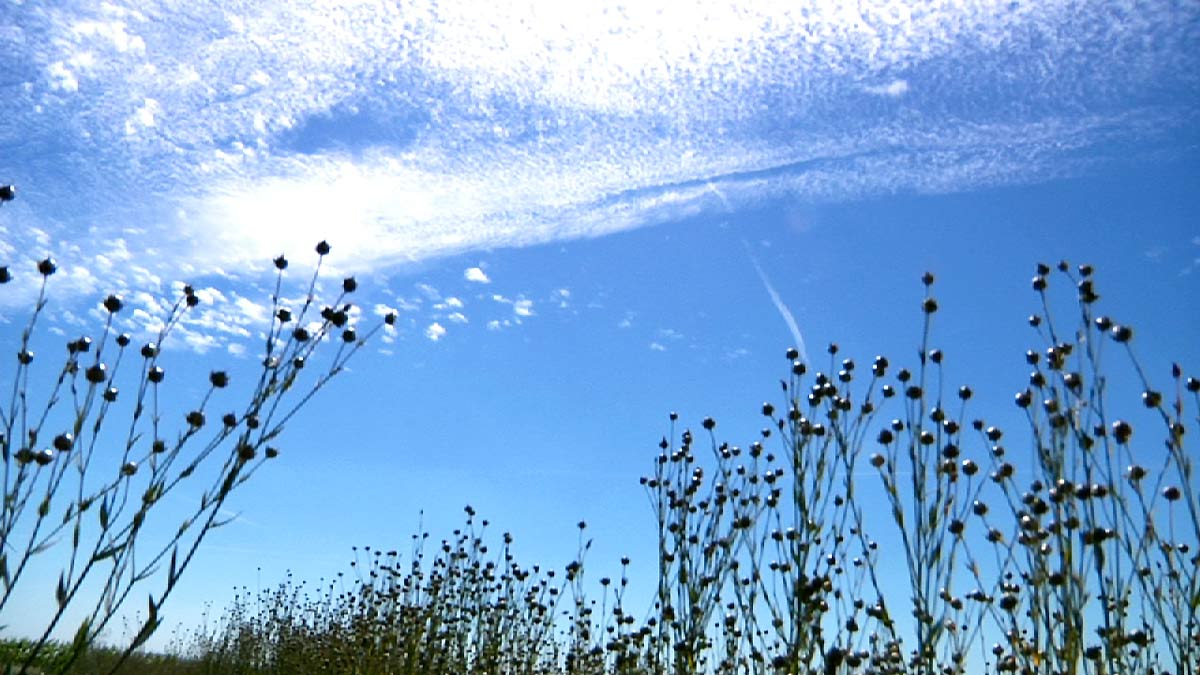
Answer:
(782, 308)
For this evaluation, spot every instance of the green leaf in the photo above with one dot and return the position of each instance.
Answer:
(80, 643)
(60, 593)
(108, 552)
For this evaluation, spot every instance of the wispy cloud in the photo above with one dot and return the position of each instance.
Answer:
(404, 131)
(894, 89)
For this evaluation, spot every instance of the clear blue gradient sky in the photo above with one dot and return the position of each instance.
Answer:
(586, 218)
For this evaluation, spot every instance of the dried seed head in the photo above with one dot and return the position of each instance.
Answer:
(1121, 431)
(113, 304)
(323, 247)
(281, 263)
(195, 418)
(25, 357)
(218, 379)
(156, 374)
(349, 285)
(97, 373)
(44, 457)
(64, 442)
(149, 350)
(110, 394)
(129, 468)
(47, 266)
(1121, 333)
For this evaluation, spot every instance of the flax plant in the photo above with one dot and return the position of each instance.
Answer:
(82, 491)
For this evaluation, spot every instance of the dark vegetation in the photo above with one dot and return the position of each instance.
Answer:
(1068, 545)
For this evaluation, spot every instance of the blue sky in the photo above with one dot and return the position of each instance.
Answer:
(586, 215)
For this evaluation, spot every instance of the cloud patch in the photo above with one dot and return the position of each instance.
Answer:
(407, 131)
(476, 275)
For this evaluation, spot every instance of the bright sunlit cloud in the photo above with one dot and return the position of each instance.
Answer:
(406, 131)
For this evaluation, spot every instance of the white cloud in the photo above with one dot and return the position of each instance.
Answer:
(457, 317)
(658, 347)
(429, 292)
(435, 331)
(454, 302)
(493, 325)
(477, 275)
(547, 121)
(893, 89)
(523, 307)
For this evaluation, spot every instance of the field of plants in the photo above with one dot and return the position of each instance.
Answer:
(1050, 548)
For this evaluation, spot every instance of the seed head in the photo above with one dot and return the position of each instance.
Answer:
(349, 336)
(1121, 431)
(1171, 493)
(195, 418)
(246, 452)
(929, 306)
(323, 247)
(229, 420)
(156, 374)
(129, 468)
(123, 340)
(281, 263)
(47, 266)
(219, 379)
(5, 275)
(349, 284)
(25, 357)
(284, 315)
(390, 319)
(110, 394)
(64, 442)
(97, 373)
(927, 278)
(1121, 333)
(44, 457)
(113, 304)
(272, 452)
(7, 193)
(149, 350)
